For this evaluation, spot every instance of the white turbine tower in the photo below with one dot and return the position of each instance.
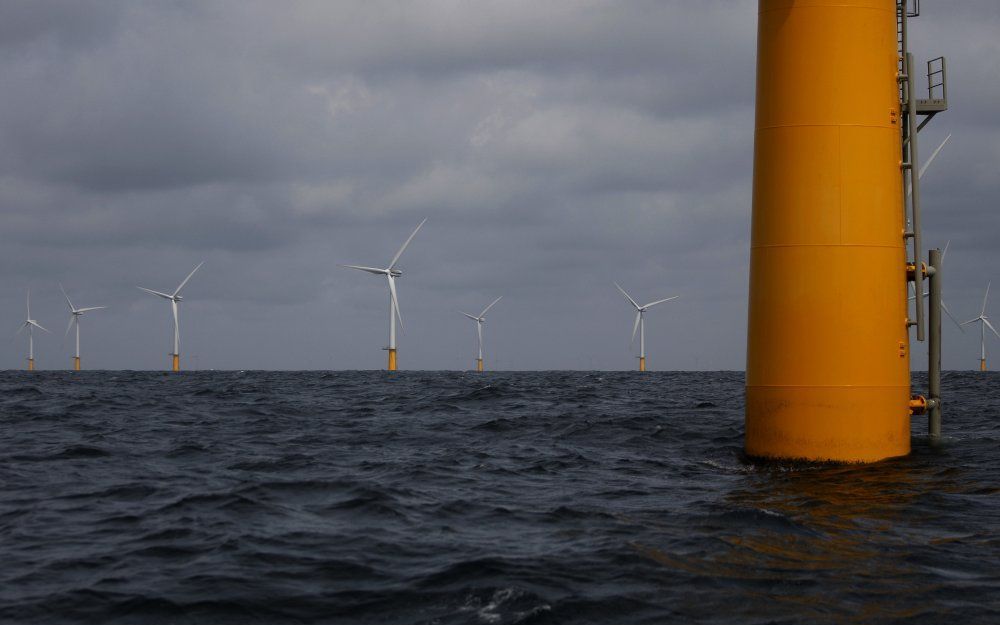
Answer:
(391, 273)
(31, 324)
(175, 299)
(984, 323)
(74, 319)
(480, 320)
(640, 323)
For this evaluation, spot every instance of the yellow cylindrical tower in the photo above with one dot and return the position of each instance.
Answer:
(828, 345)
(982, 364)
(76, 363)
(176, 363)
(392, 359)
(479, 364)
(642, 363)
(31, 364)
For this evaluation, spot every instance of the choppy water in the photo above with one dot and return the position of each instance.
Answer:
(464, 498)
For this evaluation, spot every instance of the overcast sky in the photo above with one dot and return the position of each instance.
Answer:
(553, 146)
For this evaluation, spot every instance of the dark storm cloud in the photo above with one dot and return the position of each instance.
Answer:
(555, 146)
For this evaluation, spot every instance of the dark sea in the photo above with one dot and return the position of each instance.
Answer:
(555, 497)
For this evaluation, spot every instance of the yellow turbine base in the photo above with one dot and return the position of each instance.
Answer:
(982, 365)
(842, 424)
(827, 375)
(176, 363)
(31, 364)
(479, 364)
(76, 363)
(392, 360)
(642, 363)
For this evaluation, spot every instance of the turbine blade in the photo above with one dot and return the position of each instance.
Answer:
(944, 252)
(181, 286)
(21, 329)
(374, 270)
(469, 316)
(990, 326)
(395, 258)
(483, 314)
(934, 154)
(39, 326)
(395, 300)
(80, 310)
(923, 170)
(163, 295)
(67, 298)
(965, 323)
(627, 296)
(69, 326)
(635, 328)
(660, 301)
(29, 303)
(951, 316)
(986, 297)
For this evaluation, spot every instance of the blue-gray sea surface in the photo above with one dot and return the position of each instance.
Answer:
(360, 497)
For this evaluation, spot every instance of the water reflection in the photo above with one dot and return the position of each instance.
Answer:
(818, 543)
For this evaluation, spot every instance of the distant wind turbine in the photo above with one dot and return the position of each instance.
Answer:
(984, 323)
(175, 299)
(31, 324)
(480, 320)
(640, 323)
(74, 319)
(391, 273)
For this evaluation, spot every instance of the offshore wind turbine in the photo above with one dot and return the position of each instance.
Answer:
(175, 299)
(480, 320)
(640, 323)
(74, 319)
(984, 323)
(31, 324)
(391, 273)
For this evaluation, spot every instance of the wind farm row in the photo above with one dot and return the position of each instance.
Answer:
(391, 273)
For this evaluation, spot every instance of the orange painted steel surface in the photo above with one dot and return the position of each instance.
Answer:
(828, 345)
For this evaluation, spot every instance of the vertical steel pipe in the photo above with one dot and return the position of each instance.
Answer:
(934, 348)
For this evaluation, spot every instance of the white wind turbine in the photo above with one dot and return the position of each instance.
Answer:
(480, 320)
(640, 323)
(984, 323)
(391, 273)
(74, 319)
(175, 299)
(31, 324)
